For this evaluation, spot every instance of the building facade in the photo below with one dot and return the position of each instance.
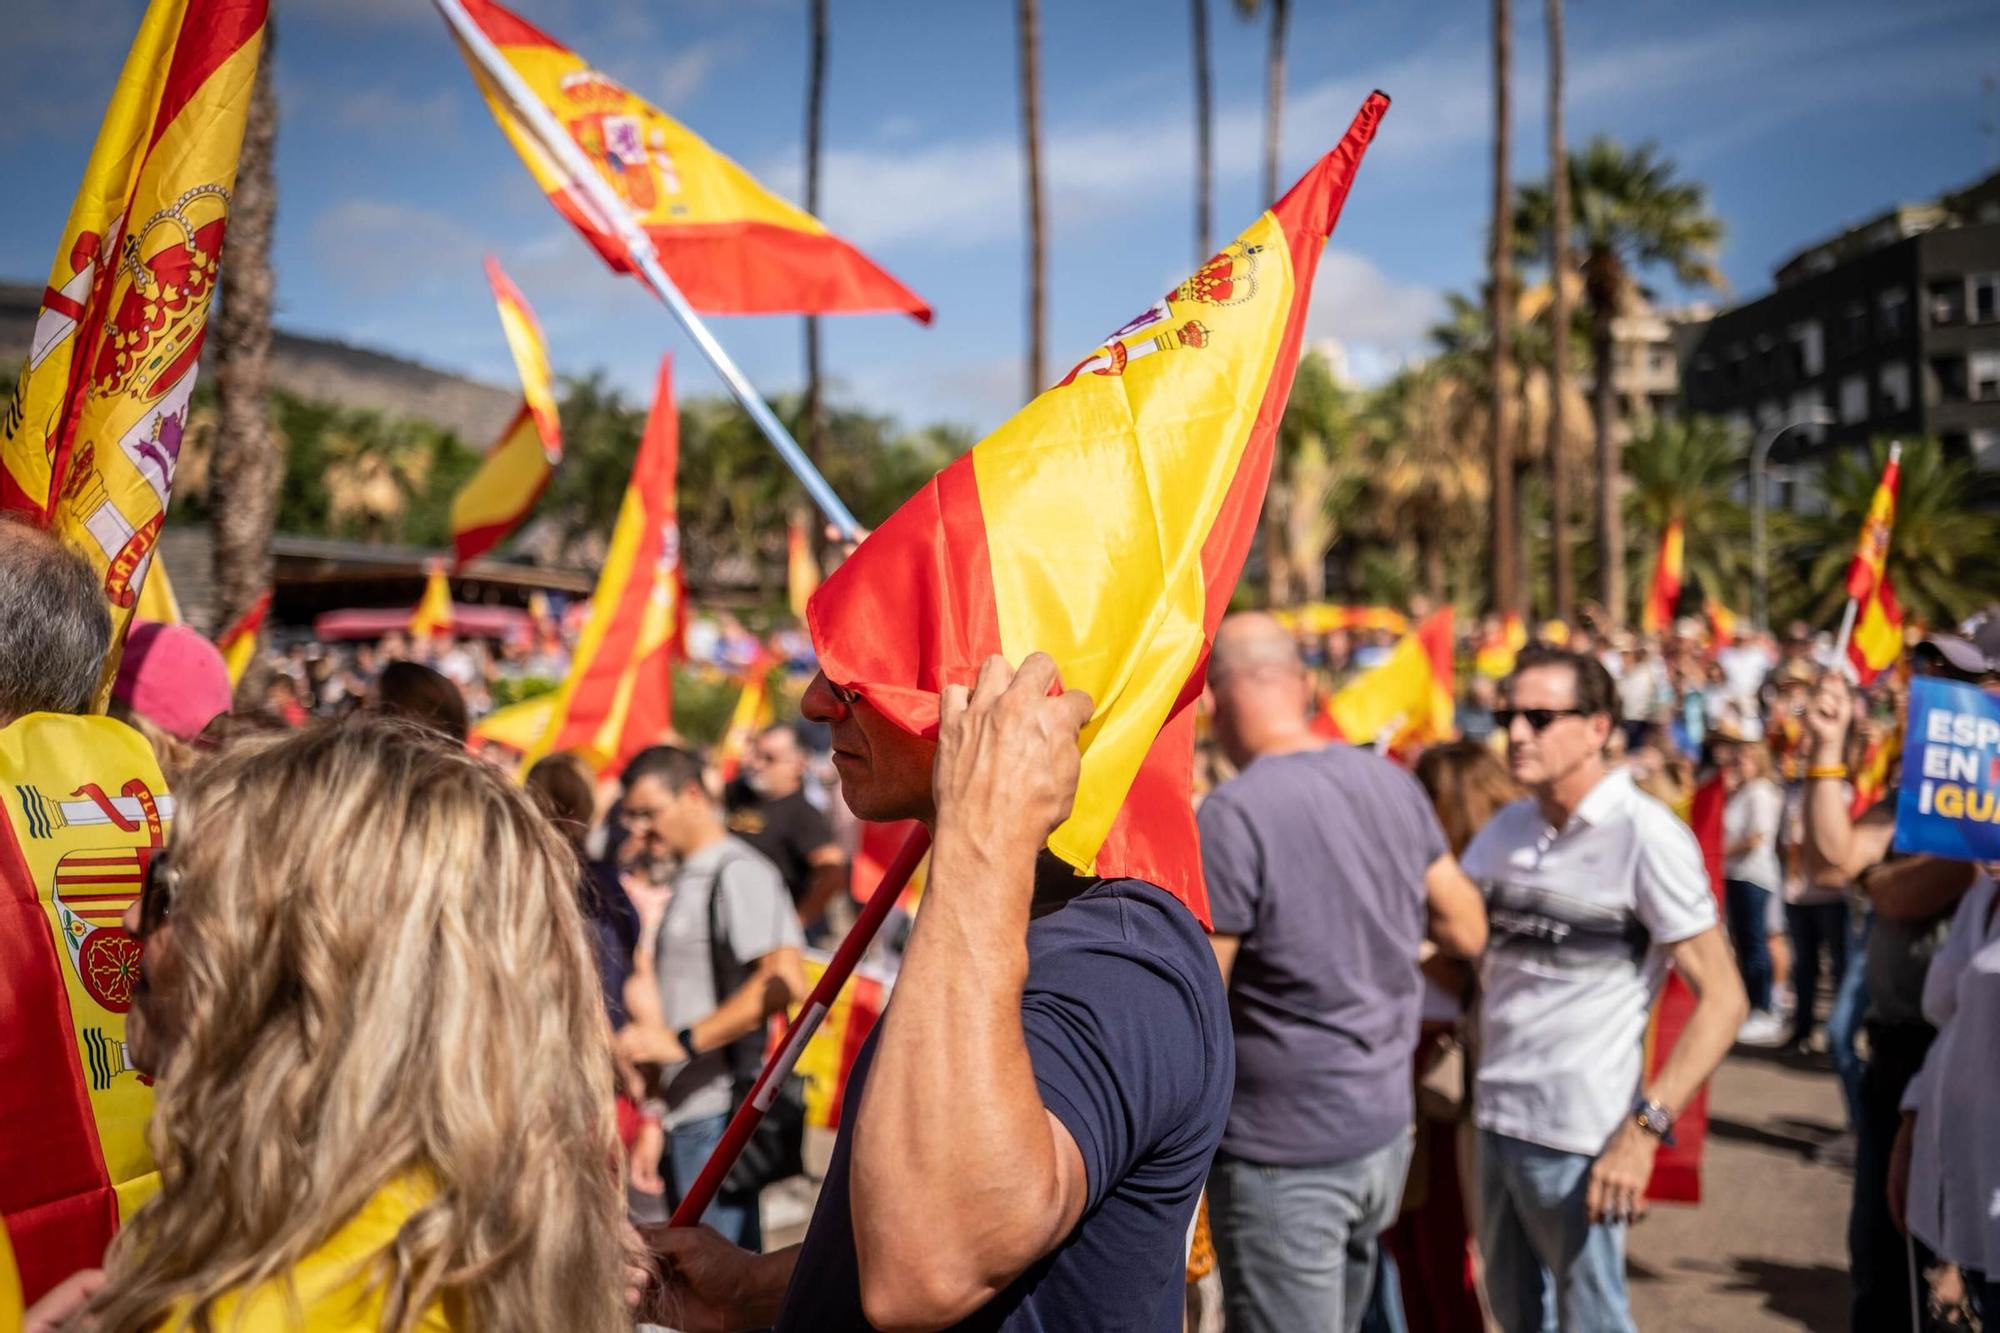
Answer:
(1891, 328)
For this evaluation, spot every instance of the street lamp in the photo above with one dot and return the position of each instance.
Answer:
(1760, 453)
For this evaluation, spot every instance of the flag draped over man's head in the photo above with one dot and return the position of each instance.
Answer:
(1105, 525)
(89, 445)
(516, 470)
(731, 246)
(1877, 640)
(1664, 594)
(619, 695)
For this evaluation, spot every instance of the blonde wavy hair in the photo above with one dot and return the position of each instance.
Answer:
(384, 973)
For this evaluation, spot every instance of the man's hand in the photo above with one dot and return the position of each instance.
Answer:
(647, 1044)
(63, 1302)
(708, 1285)
(1828, 717)
(1618, 1179)
(1007, 756)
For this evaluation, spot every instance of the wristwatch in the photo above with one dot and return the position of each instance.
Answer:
(686, 1038)
(1655, 1119)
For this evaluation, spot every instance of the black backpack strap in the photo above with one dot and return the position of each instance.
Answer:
(745, 1053)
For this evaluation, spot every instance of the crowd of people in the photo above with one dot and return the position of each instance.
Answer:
(397, 1044)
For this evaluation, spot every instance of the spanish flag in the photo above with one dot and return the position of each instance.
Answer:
(1494, 657)
(432, 614)
(156, 596)
(1106, 525)
(801, 569)
(90, 443)
(239, 642)
(1722, 623)
(731, 246)
(829, 1055)
(1677, 1170)
(619, 695)
(1668, 570)
(1406, 701)
(753, 713)
(1877, 640)
(516, 470)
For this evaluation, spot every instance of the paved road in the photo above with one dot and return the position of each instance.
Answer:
(1766, 1249)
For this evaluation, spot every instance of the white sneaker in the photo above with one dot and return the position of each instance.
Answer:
(1762, 1028)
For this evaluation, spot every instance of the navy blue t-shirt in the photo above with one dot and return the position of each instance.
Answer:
(1128, 1029)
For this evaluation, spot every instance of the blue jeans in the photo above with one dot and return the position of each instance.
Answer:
(1749, 925)
(1296, 1244)
(1850, 1005)
(688, 1147)
(1536, 1234)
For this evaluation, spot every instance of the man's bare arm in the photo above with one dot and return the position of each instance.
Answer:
(1456, 909)
(829, 877)
(1225, 947)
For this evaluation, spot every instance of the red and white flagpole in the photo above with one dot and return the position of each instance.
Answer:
(779, 1067)
(613, 214)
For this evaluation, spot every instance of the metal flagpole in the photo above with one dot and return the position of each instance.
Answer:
(612, 212)
(779, 1067)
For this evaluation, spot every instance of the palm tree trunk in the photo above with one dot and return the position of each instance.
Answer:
(1505, 531)
(1430, 546)
(1562, 572)
(1610, 522)
(248, 466)
(1204, 138)
(1274, 104)
(815, 101)
(1277, 550)
(1031, 150)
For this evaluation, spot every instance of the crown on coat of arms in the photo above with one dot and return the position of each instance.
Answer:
(1228, 279)
(160, 304)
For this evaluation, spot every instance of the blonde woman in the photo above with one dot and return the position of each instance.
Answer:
(384, 1070)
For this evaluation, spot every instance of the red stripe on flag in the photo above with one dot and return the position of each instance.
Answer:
(759, 268)
(505, 28)
(211, 32)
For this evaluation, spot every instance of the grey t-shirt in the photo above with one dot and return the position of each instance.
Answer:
(756, 917)
(1316, 860)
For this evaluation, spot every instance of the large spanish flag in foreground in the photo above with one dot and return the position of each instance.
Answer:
(1106, 525)
(1409, 700)
(732, 246)
(1877, 640)
(82, 810)
(89, 445)
(1664, 594)
(619, 695)
(516, 470)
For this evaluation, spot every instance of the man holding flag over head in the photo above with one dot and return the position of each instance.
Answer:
(1029, 1127)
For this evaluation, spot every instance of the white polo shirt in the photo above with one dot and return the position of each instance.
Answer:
(1580, 920)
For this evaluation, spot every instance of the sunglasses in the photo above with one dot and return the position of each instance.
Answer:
(156, 893)
(847, 697)
(1539, 719)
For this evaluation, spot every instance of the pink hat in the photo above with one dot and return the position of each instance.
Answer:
(172, 677)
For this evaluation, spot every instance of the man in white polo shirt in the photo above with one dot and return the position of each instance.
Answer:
(1592, 887)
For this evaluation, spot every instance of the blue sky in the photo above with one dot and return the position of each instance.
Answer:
(393, 179)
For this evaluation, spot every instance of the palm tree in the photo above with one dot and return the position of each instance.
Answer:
(1503, 530)
(247, 466)
(1428, 481)
(1031, 152)
(1274, 87)
(375, 471)
(1320, 478)
(815, 100)
(1632, 213)
(1562, 578)
(1688, 470)
(1944, 554)
(1204, 138)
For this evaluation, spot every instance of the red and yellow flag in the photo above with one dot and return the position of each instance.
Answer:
(89, 444)
(829, 1054)
(499, 495)
(239, 642)
(156, 596)
(1106, 525)
(619, 695)
(753, 713)
(1871, 551)
(1409, 700)
(1877, 640)
(1722, 623)
(731, 246)
(1677, 1169)
(432, 614)
(1494, 658)
(1669, 568)
(82, 812)
(801, 569)
(1326, 617)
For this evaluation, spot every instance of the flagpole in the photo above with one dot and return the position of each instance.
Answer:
(1841, 640)
(779, 1067)
(640, 247)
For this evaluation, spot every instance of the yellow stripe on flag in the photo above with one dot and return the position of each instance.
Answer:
(432, 615)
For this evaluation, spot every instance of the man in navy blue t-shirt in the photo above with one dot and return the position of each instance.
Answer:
(1030, 1125)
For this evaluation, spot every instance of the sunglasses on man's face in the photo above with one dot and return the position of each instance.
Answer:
(1539, 719)
(156, 893)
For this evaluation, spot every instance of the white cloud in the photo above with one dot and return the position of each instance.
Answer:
(684, 74)
(1380, 324)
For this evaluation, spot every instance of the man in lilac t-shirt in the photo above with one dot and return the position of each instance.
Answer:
(1326, 869)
